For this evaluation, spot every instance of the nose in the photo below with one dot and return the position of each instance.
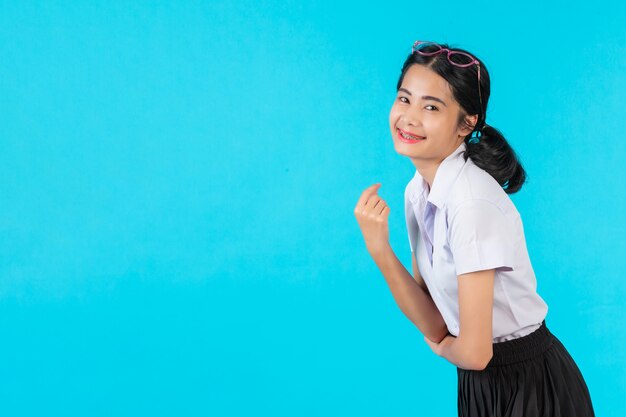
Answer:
(410, 117)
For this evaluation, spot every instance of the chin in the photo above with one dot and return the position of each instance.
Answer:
(402, 149)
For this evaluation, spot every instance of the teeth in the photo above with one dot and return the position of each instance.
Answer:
(406, 135)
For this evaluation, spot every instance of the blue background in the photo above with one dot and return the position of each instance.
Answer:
(177, 184)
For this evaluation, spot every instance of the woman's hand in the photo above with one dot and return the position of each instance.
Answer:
(438, 348)
(372, 213)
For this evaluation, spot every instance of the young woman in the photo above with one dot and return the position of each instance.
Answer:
(473, 290)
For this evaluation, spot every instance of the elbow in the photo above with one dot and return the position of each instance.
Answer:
(477, 353)
(480, 361)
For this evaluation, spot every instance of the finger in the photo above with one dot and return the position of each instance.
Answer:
(367, 193)
(375, 204)
(385, 212)
(378, 206)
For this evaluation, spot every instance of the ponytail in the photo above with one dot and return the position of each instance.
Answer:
(490, 151)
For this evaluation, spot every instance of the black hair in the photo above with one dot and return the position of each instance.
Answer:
(492, 152)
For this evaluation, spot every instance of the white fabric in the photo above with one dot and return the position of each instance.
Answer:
(468, 223)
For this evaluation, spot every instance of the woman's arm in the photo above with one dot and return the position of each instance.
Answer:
(372, 214)
(417, 275)
(411, 294)
(473, 348)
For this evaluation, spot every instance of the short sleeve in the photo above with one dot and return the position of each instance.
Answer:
(481, 237)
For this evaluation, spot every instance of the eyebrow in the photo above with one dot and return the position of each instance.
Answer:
(424, 97)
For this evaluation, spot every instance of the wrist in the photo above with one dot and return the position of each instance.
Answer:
(380, 251)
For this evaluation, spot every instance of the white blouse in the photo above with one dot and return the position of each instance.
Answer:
(467, 223)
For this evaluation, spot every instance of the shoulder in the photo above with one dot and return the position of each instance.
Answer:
(476, 187)
(407, 188)
(484, 227)
(412, 188)
(413, 181)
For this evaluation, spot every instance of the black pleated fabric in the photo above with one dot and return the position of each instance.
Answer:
(531, 376)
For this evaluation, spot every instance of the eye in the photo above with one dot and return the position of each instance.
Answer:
(402, 97)
(430, 105)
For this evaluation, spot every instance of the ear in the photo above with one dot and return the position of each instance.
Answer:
(471, 120)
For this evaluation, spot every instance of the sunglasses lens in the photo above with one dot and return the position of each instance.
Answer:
(460, 58)
(427, 48)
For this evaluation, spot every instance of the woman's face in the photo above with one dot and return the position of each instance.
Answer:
(424, 107)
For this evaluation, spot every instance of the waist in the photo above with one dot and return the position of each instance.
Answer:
(521, 348)
(517, 334)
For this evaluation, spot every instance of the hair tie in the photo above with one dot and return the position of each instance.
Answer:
(475, 136)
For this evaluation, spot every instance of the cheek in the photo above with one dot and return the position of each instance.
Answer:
(393, 115)
(439, 125)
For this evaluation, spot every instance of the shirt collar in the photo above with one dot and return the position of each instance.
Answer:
(445, 176)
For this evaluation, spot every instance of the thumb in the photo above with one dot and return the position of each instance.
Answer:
(374, 189)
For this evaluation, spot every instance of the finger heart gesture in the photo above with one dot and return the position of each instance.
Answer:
(372, 213)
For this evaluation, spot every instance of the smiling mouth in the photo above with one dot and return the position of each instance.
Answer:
(409, 137)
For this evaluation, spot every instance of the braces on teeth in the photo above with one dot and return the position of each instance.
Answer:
(409, 136)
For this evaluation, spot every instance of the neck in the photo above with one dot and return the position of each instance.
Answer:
(427, 168)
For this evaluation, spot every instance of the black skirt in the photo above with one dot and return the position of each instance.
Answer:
(531, 376)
